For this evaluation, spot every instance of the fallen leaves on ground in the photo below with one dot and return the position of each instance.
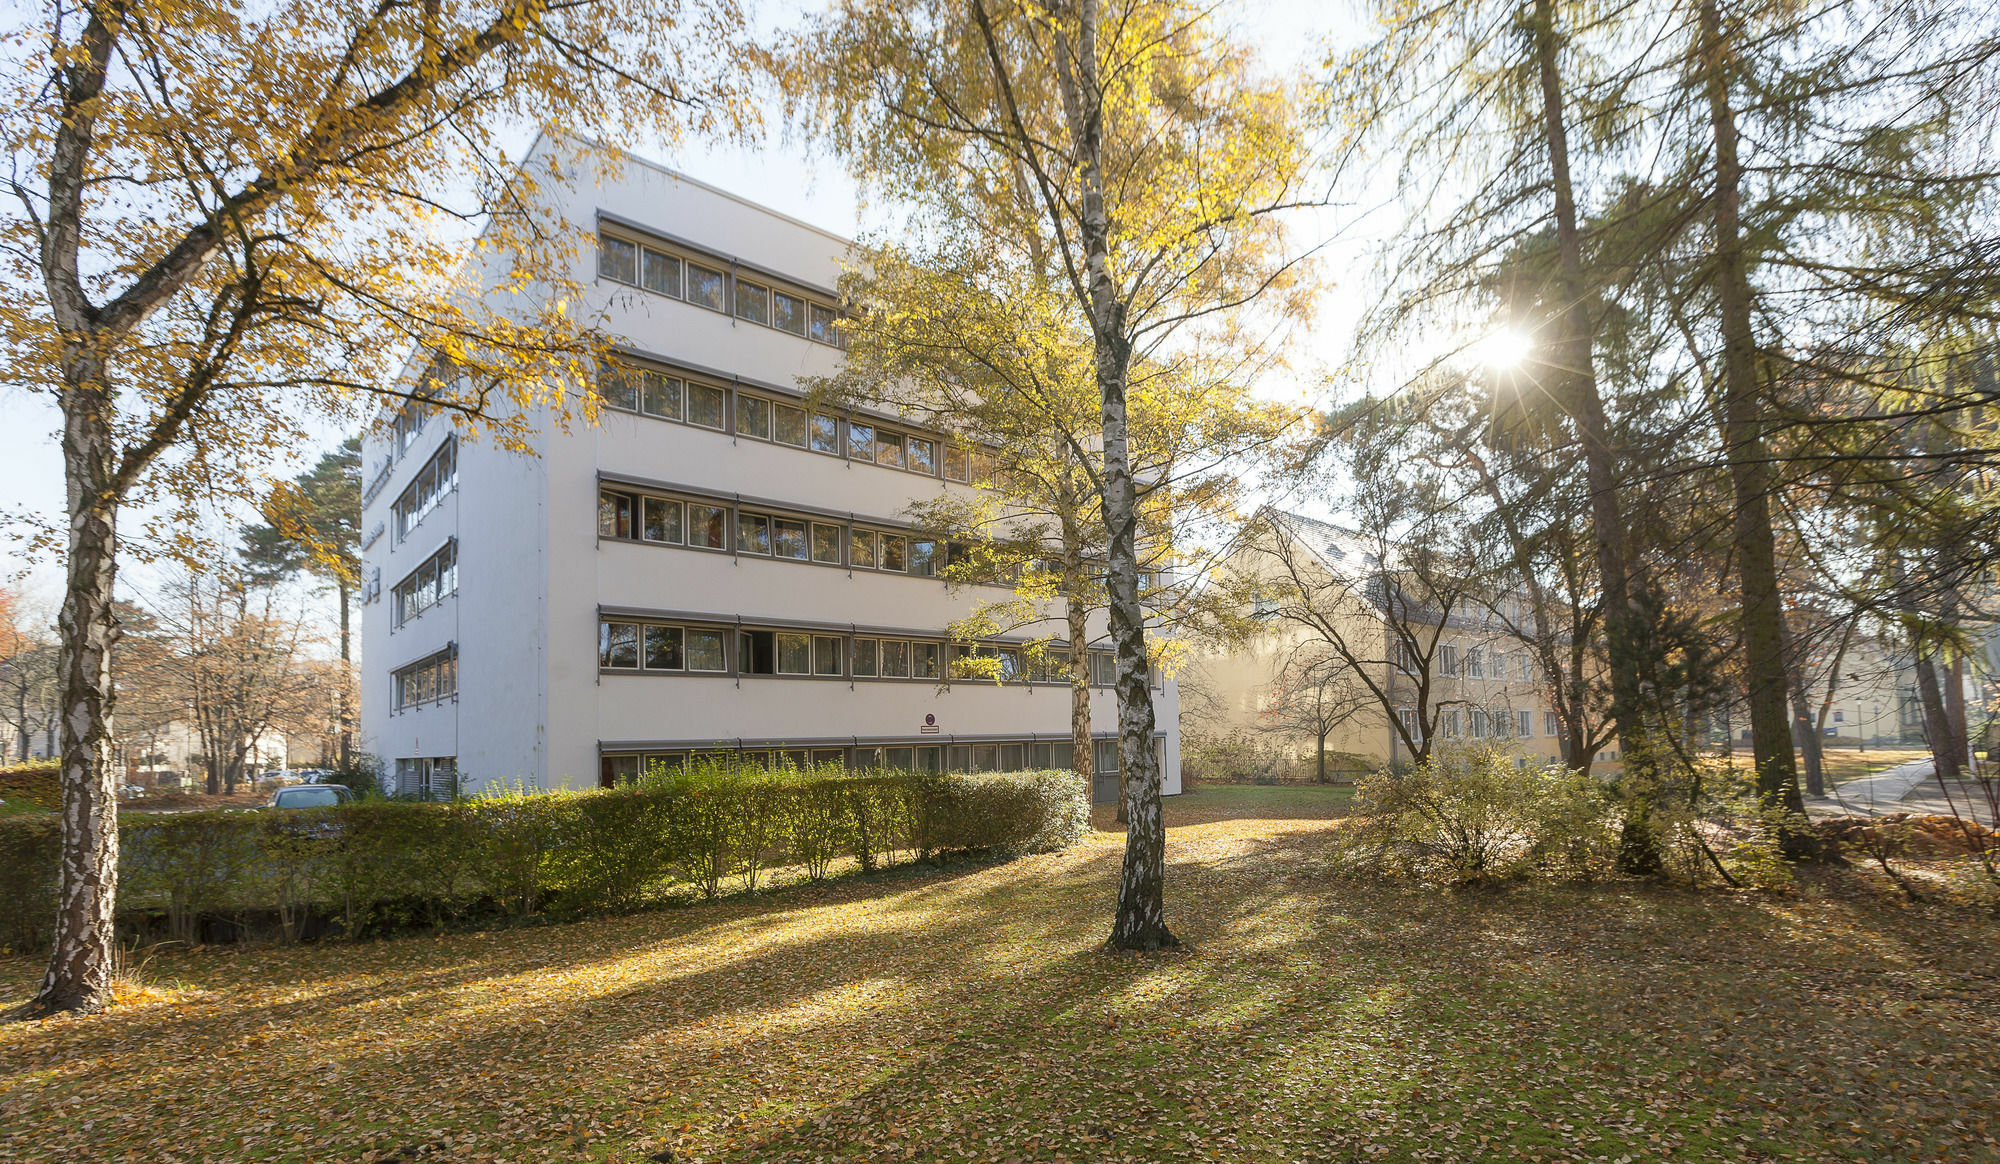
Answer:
(969, 1014)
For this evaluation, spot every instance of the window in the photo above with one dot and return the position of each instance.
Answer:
(1475, 663)
(660, 273)
(860, 441)
(1410, 727)
(753, 416)
(753, 302)
(704, 405)
(757, 653)
(826, 544)
(1010, 666)
(704, 651)
(927, 660)
(825, 434)
(1525, 724)
(895, 659)
(1448, 659)
(985, 467)
(428, 680)
(428, 584)
(409, 423)
(789, 425)
(614, 515)
(822, 328)
(922, 455)
(1503, 724)
(617, 260)
(753, 533)
(618, 646)
(794, 654)
(788, 539)
(1478, 725)
(704, 287)
(660, 396)
(663, 648)
(864, 659)
(1551, 725)
(1451, 724)
(705, 526)
(438, 477)
(1058, 665)
(1103, 669)
(618, 385)
(1840, 717)
(861, 547)
(894, 552)
(1524, 667)
(662, 520)
(889, 449)
(1104, 757)
(926, 557)
(826, 655)
(957, 463)
(788, 313)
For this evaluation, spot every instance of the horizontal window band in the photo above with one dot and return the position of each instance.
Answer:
(719, 378)
(429, 656)
(746, 622)
(710, 254)
(740, 744)
(779, 508)
(841, 679)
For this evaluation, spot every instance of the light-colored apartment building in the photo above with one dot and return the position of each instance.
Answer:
(1483, 678)
(714, 567)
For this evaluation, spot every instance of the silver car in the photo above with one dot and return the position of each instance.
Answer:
(310, 796)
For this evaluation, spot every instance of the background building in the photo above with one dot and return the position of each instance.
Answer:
(713, 567)
(1285, 687)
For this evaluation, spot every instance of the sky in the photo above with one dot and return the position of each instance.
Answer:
(1292, 34)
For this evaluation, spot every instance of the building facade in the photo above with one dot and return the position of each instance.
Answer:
(1284, 687)
(715, 566)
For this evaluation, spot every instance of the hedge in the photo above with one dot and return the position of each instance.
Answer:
(378, 866)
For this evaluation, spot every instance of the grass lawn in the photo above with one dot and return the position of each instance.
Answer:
(968, 1014)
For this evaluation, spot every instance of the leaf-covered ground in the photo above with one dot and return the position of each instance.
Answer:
(969, 1015)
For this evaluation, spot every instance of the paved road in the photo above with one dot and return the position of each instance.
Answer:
(1872, 795)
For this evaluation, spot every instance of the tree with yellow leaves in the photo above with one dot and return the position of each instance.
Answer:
(992, 352)
(1133, 156)
(222, 220)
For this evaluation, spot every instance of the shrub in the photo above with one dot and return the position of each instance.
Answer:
(383, 865)
(35, 782)
(1473, 815)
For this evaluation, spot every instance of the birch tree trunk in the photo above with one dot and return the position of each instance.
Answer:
(82, 959)
(1639, 846)
(1141, 922)
(1750, 475)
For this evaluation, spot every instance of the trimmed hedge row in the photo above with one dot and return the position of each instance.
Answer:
(378, 866)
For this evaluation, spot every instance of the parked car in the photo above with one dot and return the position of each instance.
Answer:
(315, 776)
(311, 796)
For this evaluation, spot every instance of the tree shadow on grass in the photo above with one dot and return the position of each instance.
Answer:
(972, 1012)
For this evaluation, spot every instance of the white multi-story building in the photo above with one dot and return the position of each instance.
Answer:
(713, 567)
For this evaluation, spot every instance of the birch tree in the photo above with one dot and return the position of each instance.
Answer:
(993, 353)
(1157, 162)
(223, 219)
